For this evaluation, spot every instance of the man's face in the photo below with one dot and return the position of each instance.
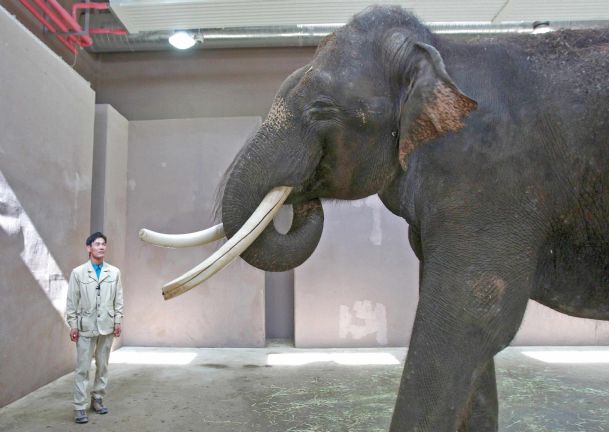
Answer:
(97, 249)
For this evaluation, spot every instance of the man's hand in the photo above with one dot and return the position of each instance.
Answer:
(117, 330)
(73, 335)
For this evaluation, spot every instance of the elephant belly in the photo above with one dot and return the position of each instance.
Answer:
(572, 277)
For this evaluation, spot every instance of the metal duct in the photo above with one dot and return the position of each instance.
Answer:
(285, 36)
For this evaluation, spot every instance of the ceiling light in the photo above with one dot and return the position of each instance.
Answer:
(540, 27)
(182, 40)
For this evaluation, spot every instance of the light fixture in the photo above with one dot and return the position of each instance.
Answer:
(540, 27)
(182, 40)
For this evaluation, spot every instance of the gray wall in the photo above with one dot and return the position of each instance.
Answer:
(360, 288)
(213, 83)
(174, 169)
(46, 148)
(109, 194)
(109, 184)
(279, 305)
(544, 326)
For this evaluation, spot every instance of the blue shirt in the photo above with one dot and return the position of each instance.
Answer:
(97, 268)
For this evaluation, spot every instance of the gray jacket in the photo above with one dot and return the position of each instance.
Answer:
(91, 310)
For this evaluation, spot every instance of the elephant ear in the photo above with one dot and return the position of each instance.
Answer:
(431, 104)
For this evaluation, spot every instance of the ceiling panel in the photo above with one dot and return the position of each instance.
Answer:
(153, 15)
(555, 10)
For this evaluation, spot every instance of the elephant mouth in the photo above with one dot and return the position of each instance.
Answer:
(234, 247)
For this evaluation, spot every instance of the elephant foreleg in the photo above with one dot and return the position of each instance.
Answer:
(481, 414)
(469, 309)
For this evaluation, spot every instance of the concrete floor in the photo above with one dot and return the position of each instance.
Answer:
(280, 388)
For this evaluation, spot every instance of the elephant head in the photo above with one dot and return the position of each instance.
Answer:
(341, 127)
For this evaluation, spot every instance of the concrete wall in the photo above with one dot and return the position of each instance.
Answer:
(544, 326)
(360, 288)
(279, 305)
(109, 184)
(109, 194)
(174, 169)
(46, 149)
(212, 83)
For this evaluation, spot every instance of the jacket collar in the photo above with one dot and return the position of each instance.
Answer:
(105, 271)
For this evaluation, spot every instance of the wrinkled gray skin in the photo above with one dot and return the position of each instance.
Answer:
(506, 194)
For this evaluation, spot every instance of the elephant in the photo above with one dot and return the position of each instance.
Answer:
(494, 150)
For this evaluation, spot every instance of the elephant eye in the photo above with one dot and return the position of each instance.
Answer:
(322, 109)
(323, 103)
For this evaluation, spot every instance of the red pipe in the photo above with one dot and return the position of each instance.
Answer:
(69, 23)
(52, 15)
(45, 23)
(40, 18)
(98, 6)
(85, 40)
(108, 31)
(55, 19)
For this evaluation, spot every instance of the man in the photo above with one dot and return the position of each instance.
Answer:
(94, 312)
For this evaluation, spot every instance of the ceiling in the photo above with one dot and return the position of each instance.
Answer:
(154, 15)
(244, 23)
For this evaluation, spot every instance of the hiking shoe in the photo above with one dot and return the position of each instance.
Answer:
(98, 406)
(80, 416)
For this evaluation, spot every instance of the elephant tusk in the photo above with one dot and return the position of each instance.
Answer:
(183, 240)
(234, 247)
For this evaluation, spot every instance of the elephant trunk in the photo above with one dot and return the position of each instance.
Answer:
(260, 167)
(270, 169)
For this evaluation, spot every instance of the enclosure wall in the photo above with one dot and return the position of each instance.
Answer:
(46, 151)
(175, 167)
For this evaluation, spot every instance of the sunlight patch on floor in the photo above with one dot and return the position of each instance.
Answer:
(570, 356)
(346, 359)
(152, 357)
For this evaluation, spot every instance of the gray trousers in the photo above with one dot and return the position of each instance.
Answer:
(86, 347)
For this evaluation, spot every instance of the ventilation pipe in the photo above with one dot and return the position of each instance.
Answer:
(65, 26)
(289, 36)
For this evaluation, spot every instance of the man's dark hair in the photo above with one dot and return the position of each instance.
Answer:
(94, 237)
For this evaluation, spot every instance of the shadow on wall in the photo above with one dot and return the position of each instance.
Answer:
(33, 290)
